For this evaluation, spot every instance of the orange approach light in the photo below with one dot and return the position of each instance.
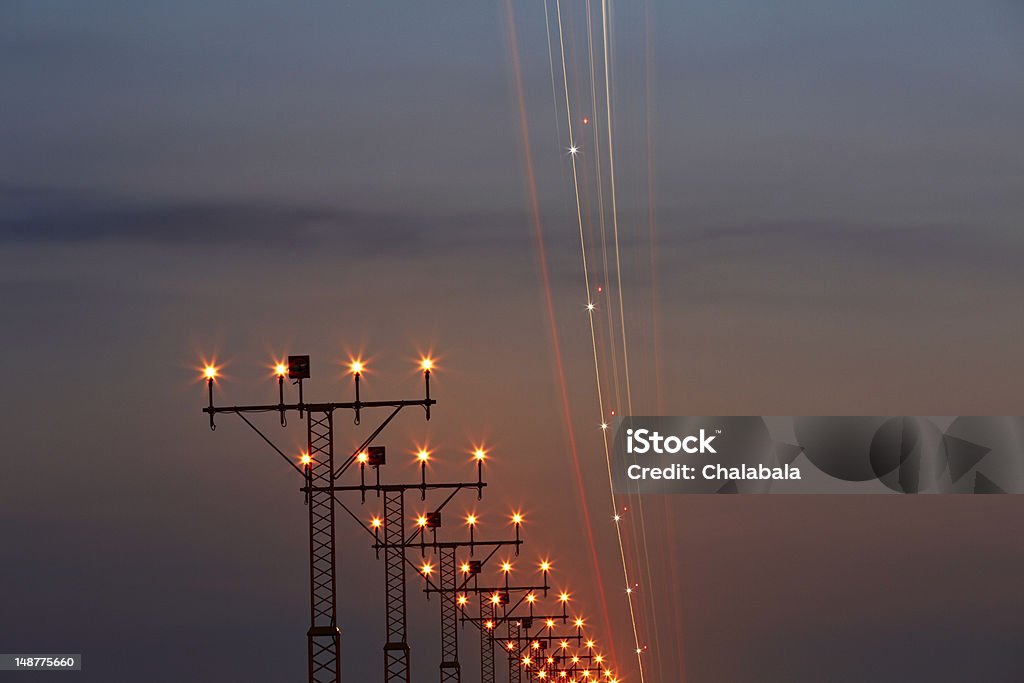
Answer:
(357, 367)
(210, 372)
(305, 459)
(426, 364)
(280, 370)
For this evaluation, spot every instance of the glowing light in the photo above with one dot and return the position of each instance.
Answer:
(598, 658)
(376, 522)
(510, 645)
(590, 644)
(489, 624)
(575, 659)
(517, 518)
(639, 651)
(579, 622)
(536, 645)
(531, 598)
(506, 567)
(280, 369)
(545, 566)
(590, 307)
(564, 644)
(496, 599)
(357, 366)
(305, 459)
(463, 600)
(564, 597)
(464, 568)
(210, 372)
(604, 425)
(527, 661)
(427, 569)
(574, 150)
(629, 591)
(542, 675)
(471, 520)
(423, 455)
(363, 457)
(426, 364)
(586, 673)
(421, 521)
(617, 518)
(550, 623)
(479, 454)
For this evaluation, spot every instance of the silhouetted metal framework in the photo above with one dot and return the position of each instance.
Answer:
(395, 544)
(320, 472)
(552, 651)
(450, 669)
(396, 650)
(487, 670)
(515, 672)
(323, 636)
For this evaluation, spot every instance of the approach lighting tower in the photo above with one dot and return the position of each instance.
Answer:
(320, 470)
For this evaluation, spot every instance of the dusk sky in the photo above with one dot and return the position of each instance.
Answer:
(839, 191)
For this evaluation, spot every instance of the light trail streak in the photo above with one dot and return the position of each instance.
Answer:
(615, 212)
(600, 204)
(593, 336)
(551, 69)
(621, 302)
(538, 230)
(652, 222)
(652, 216)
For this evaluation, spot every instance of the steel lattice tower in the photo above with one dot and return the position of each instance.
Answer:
(450, 670)
(323, 635)
(320, 473)
(515, 673)
(396, 650)
(487, 671)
